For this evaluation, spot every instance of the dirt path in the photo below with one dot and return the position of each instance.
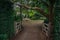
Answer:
(32, 30)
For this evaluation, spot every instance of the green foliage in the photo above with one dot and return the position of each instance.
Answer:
(18, 18)
(46, 21)
(34, 15)
(34, 3)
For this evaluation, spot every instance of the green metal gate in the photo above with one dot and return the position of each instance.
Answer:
(6, 19)
(57, 20)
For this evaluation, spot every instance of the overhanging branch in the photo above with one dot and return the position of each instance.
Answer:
(41, 11)
(34, 8)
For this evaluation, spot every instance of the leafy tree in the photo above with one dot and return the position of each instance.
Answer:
(39, 6)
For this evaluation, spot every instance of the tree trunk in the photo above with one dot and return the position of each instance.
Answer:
(51, 17)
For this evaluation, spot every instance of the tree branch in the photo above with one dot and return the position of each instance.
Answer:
(34, 8)
(41, 11)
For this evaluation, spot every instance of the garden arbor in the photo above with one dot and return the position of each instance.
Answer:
(52, 15)
(48, 11)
